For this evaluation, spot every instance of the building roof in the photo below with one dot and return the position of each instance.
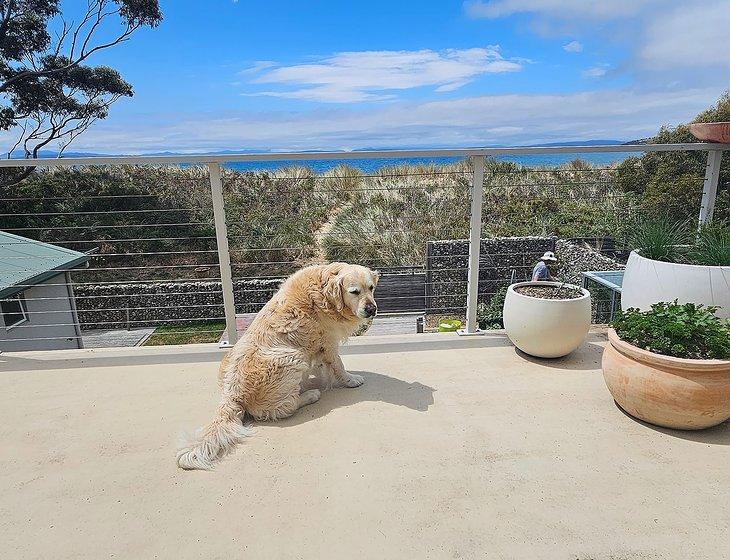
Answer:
(25, 261)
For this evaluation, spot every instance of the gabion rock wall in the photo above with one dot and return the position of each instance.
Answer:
(574, 259)
(114, 306)
(501, 259)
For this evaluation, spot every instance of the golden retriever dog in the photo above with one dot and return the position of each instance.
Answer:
(266, 375)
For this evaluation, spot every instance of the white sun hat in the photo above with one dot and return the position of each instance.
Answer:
(548, 256)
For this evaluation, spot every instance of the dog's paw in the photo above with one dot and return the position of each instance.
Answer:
(309, 397)
(354, 380)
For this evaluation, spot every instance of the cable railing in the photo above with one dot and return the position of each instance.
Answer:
(178, 242)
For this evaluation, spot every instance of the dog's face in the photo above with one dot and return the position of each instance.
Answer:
(356, 290)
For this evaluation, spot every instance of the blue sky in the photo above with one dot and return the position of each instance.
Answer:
(278, 75)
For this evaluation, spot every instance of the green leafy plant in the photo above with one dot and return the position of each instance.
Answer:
(661, 239)
(681, 330)
(489, 314)
(712, 246)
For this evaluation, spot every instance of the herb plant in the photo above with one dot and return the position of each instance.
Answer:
(681, 330)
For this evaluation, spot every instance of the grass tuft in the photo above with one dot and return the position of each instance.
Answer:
(198, 333)
(661, 239)
(712, 246)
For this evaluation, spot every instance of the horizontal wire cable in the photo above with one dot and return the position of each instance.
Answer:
(298, 248)
(278, 278)
(124, 321)
(92, 310)
(109, 255)
(325, 177)
(155, 321)
(99, 226)
(85, 197)
(491, 189)
(145, 281)
(108, 296)
(126, 239)
(103, 212)
(76, 337)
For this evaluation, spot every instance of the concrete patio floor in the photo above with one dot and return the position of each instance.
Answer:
(453, 448)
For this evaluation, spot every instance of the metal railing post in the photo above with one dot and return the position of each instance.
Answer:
(475, 239)
(709, 187)
(224, 256)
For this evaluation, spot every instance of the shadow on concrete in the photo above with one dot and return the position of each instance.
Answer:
(717, 435)
(378, 387)
(586, 357)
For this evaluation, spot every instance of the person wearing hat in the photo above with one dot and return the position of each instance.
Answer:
(541, 272)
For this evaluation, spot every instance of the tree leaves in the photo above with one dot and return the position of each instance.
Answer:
(670, 183)
(48, 92)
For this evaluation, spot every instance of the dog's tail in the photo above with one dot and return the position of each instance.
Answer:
(215, 440)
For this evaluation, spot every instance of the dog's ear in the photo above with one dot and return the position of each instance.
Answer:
(376, 276)
(332, 287)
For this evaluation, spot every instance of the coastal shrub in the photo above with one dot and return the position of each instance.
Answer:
(156, 222)
(670, 183)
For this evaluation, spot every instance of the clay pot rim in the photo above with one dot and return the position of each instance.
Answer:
(661, 360)
(715, 132)
(586, 293)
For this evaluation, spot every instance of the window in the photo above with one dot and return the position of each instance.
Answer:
(14, 311)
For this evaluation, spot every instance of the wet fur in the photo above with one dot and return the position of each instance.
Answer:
(266, 374)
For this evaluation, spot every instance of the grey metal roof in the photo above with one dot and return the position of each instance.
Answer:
(25, 261)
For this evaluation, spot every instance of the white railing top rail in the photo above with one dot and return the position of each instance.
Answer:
(305, 156)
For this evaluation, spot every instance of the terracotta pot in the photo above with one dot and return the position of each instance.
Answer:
(546, 328)
(711, 132)
(669, 392)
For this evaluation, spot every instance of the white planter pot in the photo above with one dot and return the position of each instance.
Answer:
(647, 282)
(546, 328)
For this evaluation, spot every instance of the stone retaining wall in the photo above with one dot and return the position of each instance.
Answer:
(114, 306)
(504, 260)
(576, 258)
(501, 259)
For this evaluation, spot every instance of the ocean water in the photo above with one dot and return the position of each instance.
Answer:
(372, 165)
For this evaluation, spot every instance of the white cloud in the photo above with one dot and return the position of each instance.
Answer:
(573, 47)
(597, 71)
(684, 42)
(587, 9)
(350, 77)
(692, 35)
(257, 67)
(470, 121)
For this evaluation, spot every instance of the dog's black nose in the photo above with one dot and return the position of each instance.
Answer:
(370, 309)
